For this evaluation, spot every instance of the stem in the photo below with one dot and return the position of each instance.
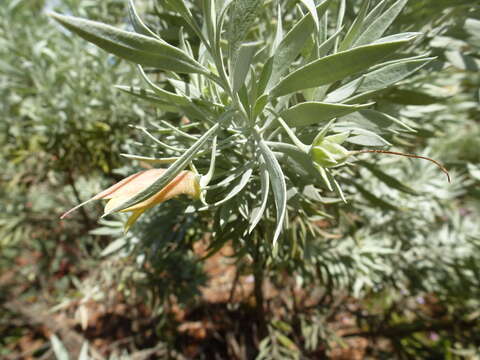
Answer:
(71, 182)
(290, 133)
(440, 166)
(258, 274)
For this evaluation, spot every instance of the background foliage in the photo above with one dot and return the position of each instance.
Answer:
(392, 273)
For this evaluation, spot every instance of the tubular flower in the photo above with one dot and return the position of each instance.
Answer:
(185, 183)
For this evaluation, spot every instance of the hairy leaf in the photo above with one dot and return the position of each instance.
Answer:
(337, 66)
(140, 49)
(309, 113)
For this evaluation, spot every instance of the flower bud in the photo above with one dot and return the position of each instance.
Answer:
(326, 151)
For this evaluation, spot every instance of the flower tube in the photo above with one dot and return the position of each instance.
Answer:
(185, 183)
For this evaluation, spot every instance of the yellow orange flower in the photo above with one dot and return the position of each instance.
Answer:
(185, 183)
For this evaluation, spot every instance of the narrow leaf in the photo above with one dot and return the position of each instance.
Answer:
(260, 105)
(303, 162)
(84, 352)
(58, 348)
(137, 22)
(186, 89)
(353, 31)
(293, 43)
(180, 7)
(372, 198)
(258, 211)
(345, 91)
(387, 179)
(164, 95)
(391, 74)
(378, 27)
(242, 64)
(366, 138)
(341, 15)
(114, 246)
(140, 49)
(309, 113)
(310, 5)
(234, 191)
(148, 95)
(328, 44)
(336, 67)
(243, 15)
(279, 31)
(210, 19)
(279, 187)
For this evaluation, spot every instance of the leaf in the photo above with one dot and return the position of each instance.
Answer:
(162, 94)
(474, 171)
(336, 67)
(340, 17)
(257, 212)
(293, 43)
(310, 5)
(383, 120)
(411, 97)
(328, 44)
(173, 169)
(243, 15)
(387, 179)
(279, 31)
(260, 105)
(84, 352)
(265, 76)
(373, 199)
(59, 349)
(279, 187)
(137, 22)
(344, 92)
(234, 191)
(242, 64)
(391, 74)
(371, 120)
(148, 95)
(180, 7)
(354, 30)
(140, 49)
(308, 113)
(186, 89)
(380, 24)
(472, 26)
(303, 162)
(462, 61)
(193, 111)
(210, 19)
(366, 138)
(374, 14)
(106, 230)
(114, 246)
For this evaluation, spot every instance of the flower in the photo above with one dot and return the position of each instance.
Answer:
(185, 183)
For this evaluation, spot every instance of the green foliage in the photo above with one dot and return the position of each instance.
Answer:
(280, 110)
(46, 81)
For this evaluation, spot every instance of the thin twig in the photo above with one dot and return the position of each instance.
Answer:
(85, 216)
(440, 166)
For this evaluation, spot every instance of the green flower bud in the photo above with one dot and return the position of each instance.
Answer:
(327, 151)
